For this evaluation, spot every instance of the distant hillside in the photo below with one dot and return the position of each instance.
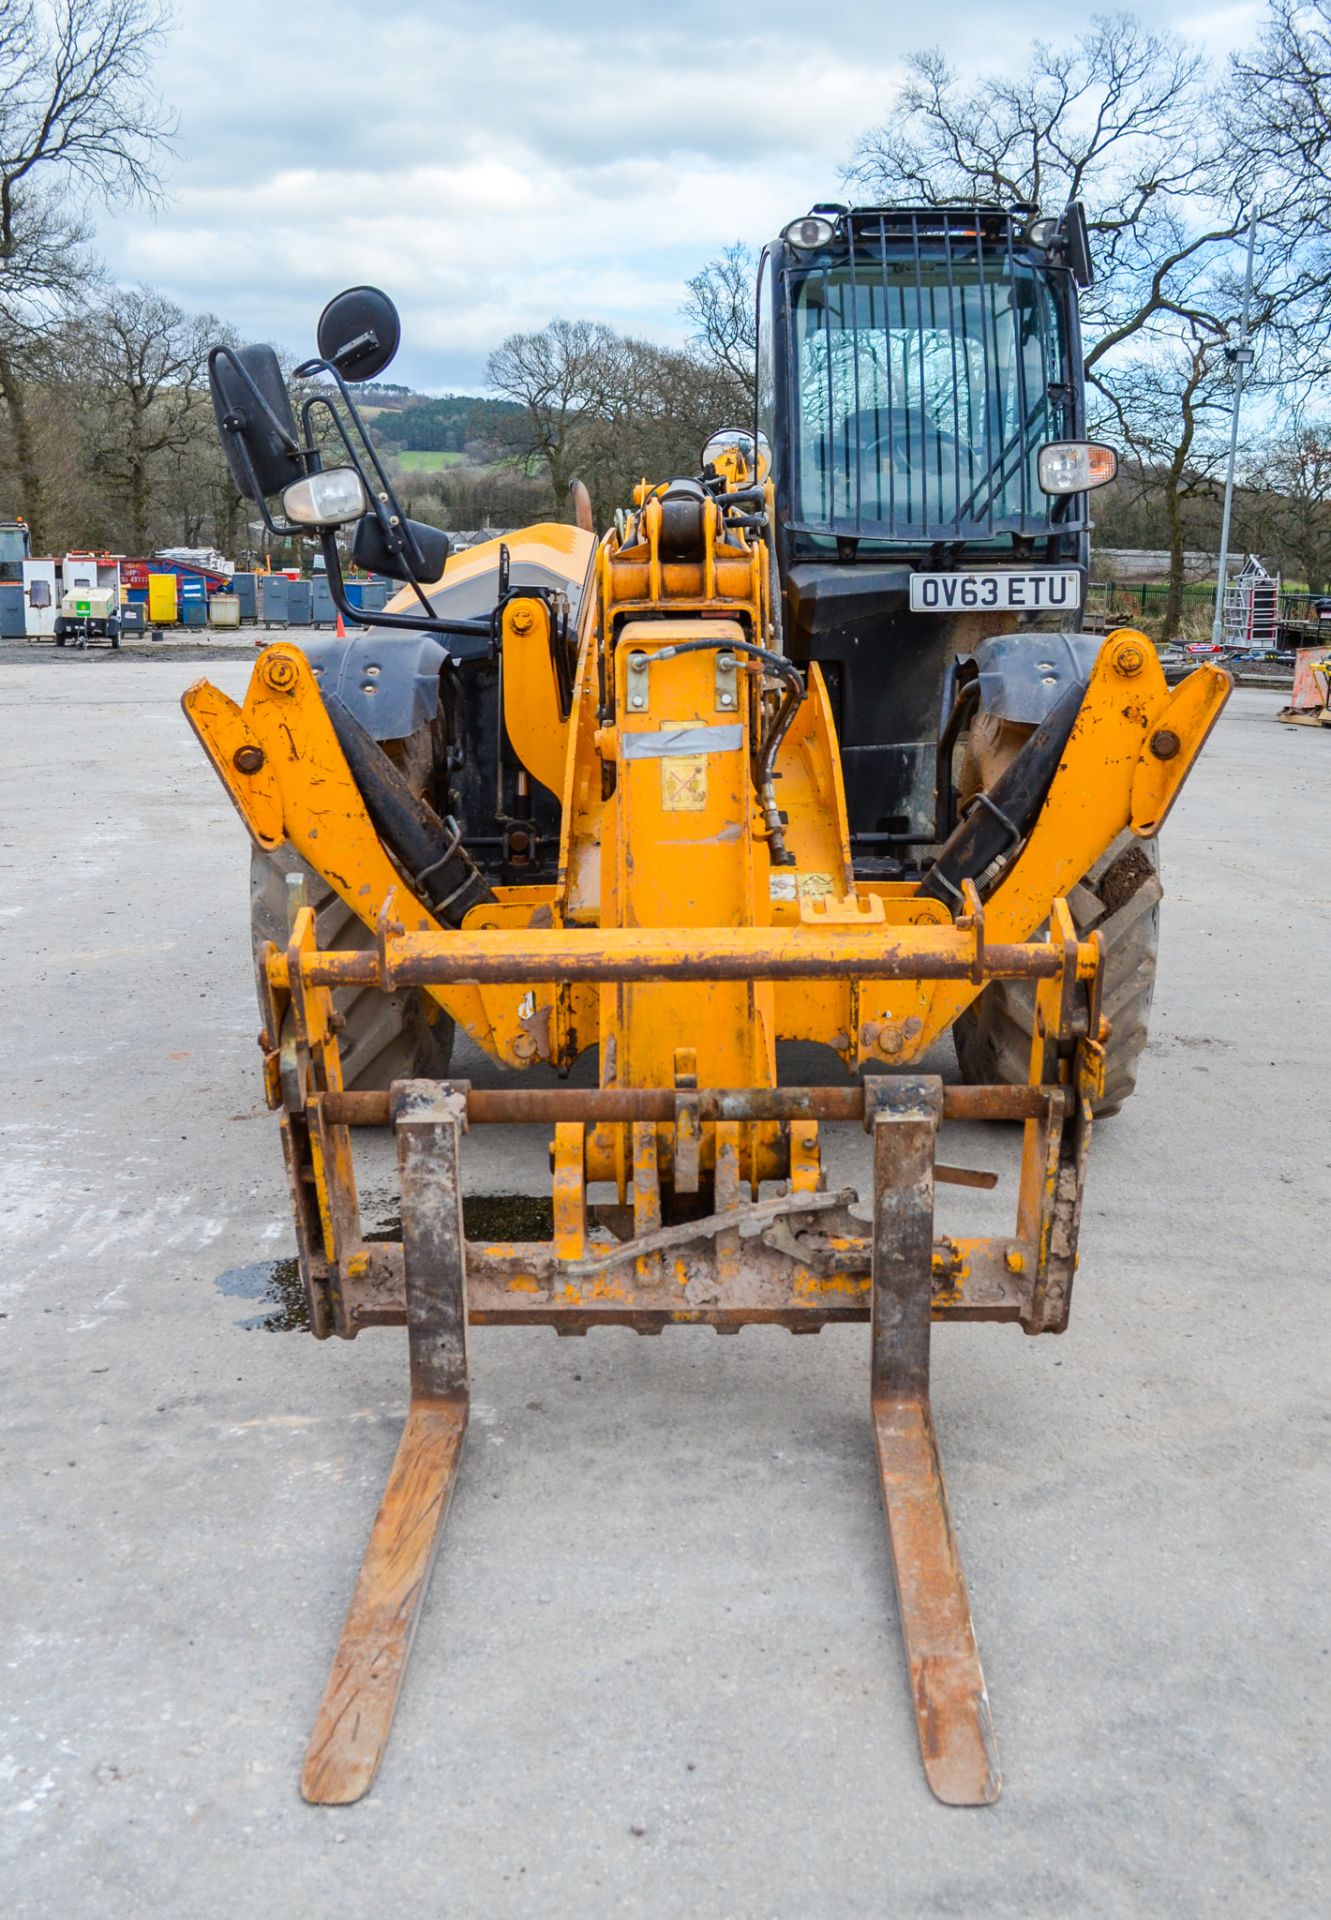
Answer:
(456, 423)
(384, 393)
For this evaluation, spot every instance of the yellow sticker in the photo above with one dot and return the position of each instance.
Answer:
(684, 783)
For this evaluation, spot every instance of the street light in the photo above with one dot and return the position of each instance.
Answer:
(1240, 357)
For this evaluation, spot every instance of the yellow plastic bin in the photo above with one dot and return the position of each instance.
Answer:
(162, 600)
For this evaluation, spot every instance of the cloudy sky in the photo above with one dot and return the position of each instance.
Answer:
(494, 164)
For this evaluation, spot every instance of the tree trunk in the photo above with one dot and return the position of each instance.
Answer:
(1178, 468)
(32, 504)
(558, 467)
(138, 507)
(1177, 562)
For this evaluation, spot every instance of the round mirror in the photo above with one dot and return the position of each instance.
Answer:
(741, 457)
(359, 332)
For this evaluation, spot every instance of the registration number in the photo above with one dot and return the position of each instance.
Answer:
(996, 588)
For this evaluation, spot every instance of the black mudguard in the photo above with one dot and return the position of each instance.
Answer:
(389, 682)
(1030, 679)
(1024, 675)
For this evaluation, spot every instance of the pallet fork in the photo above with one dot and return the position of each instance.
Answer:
(361, 1696)
(806, 1262)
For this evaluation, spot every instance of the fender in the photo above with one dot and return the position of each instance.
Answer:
(1023, 676)
(389, 681)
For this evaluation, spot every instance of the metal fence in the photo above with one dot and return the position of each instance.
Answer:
(1115, 596)
(1297, 623)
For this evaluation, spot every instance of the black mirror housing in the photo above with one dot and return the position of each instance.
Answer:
(1077, 243)
(253, 412)
(370, 550)
(359, 332)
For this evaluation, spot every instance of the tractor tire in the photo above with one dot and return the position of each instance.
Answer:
(1119, 899)
(387, 1036)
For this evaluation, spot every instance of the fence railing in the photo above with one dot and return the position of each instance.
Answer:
(1119, 596)
(1297, 622)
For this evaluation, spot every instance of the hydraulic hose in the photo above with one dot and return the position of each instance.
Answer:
(429, 850)
(1000, 818)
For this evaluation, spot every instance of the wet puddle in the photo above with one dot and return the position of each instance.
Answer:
(274, 1285)
(492, 1216)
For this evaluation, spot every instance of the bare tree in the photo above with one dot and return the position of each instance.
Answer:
(562, 376)
(1131, 123)
(1289, 502)
(661, 408)
(723, 316)
(78, 121)
(611, 409)
(1284, 85)
(1174, 408)
(1117, 118)
(140, 361)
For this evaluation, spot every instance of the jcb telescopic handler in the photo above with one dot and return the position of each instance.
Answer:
(806, 747)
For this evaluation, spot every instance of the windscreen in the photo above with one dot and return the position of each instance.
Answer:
(923, 394)
(13, 545)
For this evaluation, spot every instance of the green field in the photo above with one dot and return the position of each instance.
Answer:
(426, 462)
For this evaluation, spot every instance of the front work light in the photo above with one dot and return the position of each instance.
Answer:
(810, 232)
(328, 499)
(1075, 466)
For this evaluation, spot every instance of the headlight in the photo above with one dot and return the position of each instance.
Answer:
(1075, 466)
(810, 232)
(327, 499)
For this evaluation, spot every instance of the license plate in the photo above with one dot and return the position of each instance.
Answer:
(991, 589)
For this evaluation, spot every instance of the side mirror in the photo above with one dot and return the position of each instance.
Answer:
(359, 332)
(369, 549)
(254, 418)
(1077, 243)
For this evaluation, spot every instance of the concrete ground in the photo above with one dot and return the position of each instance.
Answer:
(659, 1672)
(169, 643)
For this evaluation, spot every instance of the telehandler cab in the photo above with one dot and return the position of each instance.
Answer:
(805, 747)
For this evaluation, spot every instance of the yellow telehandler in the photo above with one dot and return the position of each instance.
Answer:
(806, 747)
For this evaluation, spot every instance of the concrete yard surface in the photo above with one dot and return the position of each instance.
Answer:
(204, 644)
(659, 1672)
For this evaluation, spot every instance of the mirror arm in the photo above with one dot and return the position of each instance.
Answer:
(393, 534)
(306, 371)
(289, 529)
(284, 529)
(362, 617)
(310, 458)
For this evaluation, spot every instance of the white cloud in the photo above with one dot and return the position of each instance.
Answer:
(493, 165)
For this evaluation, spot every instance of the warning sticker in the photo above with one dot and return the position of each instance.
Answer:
(684, 783)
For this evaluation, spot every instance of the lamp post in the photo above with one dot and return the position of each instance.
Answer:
(1240, 357)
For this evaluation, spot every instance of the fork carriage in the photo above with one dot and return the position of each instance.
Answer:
(798, 1259)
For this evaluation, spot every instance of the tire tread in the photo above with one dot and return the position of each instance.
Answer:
(993, 1036)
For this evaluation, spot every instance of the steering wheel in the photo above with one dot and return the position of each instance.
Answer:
(895, 443)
